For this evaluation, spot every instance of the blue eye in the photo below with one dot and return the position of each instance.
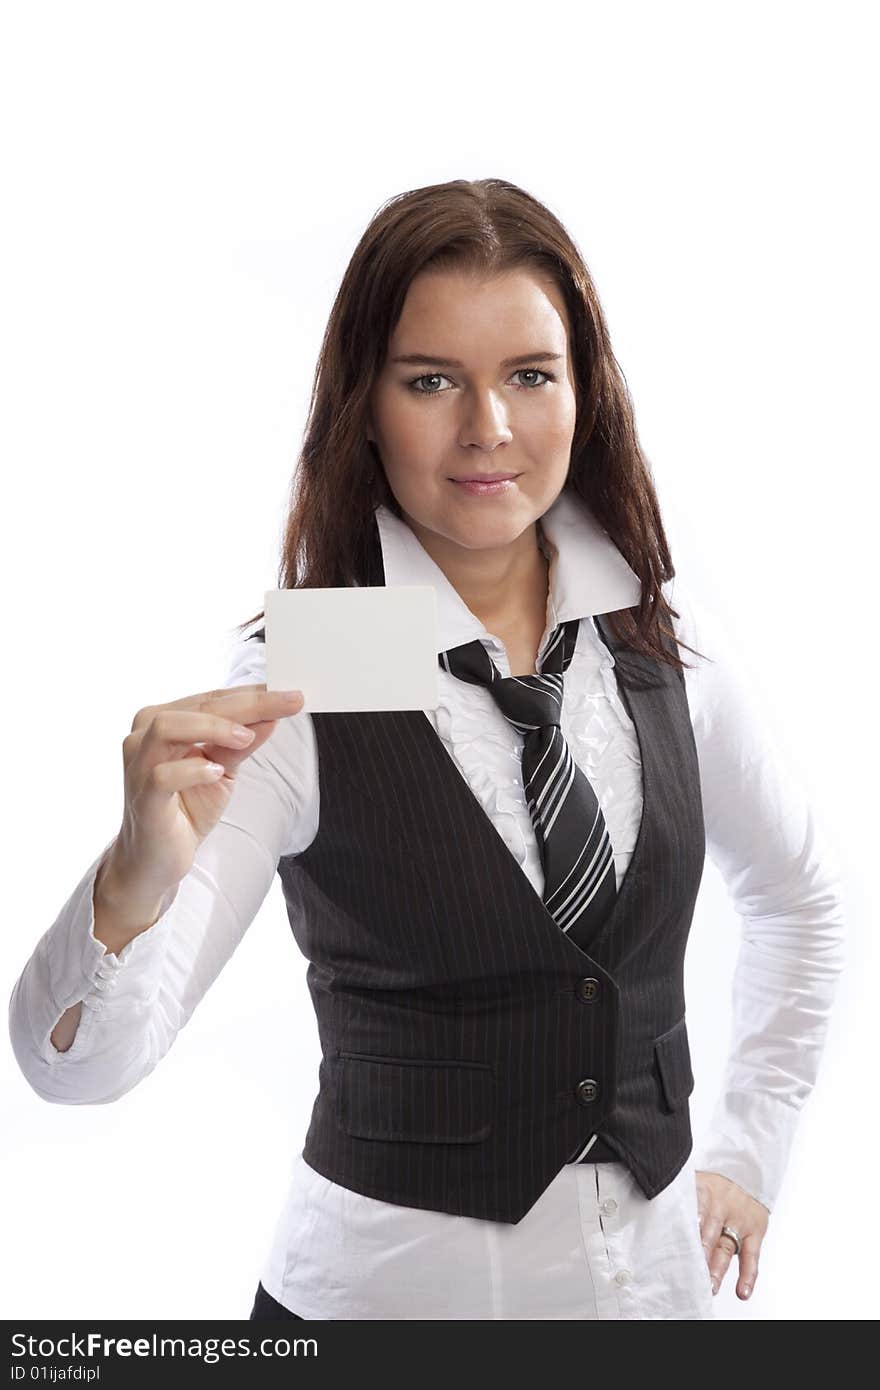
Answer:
(536, 371)
(438, 376)
(432, 376)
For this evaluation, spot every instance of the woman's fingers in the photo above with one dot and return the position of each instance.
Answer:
(722, 1202)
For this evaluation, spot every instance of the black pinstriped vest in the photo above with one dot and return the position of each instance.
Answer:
(469, 1046)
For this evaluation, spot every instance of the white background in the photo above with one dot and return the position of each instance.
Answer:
(184, 184)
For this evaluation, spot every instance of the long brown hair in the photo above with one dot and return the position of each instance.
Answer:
(486, 225)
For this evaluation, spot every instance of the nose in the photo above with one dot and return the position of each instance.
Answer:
(485, 422)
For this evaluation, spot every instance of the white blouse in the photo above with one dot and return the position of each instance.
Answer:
(338, 1253)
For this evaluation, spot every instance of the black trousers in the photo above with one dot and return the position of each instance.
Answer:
(265, 1306)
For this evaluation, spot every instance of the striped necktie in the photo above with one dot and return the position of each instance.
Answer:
(579, 880)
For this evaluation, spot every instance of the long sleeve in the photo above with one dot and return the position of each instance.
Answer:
(135, 1004)
(784, 882)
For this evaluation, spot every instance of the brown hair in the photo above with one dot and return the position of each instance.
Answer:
(486, 225)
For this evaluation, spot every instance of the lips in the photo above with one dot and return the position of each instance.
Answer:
(486, 478)
(487, 485)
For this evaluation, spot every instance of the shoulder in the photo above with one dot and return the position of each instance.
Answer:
(712, 661)
(246, 661)
(734, 721)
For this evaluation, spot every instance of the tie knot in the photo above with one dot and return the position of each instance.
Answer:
(529, 702)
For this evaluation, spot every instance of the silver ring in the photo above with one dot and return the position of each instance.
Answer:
(734, 1236)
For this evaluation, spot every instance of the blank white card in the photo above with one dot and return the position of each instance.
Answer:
(354, 649)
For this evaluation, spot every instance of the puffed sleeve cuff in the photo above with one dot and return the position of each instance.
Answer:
(749, 1141)
(69, 965)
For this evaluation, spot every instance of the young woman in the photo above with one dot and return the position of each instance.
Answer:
(495, 896)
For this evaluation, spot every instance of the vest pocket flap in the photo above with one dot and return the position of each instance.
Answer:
(674, 1064)
(419, 1099)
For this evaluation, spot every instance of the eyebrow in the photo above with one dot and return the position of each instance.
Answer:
(415, 359)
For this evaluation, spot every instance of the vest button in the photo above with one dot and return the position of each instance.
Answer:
(587, 990)
(587, 1091)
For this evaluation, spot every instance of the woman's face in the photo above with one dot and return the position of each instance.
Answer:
(460, 406)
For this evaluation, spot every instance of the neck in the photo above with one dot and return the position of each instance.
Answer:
(502, 586)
